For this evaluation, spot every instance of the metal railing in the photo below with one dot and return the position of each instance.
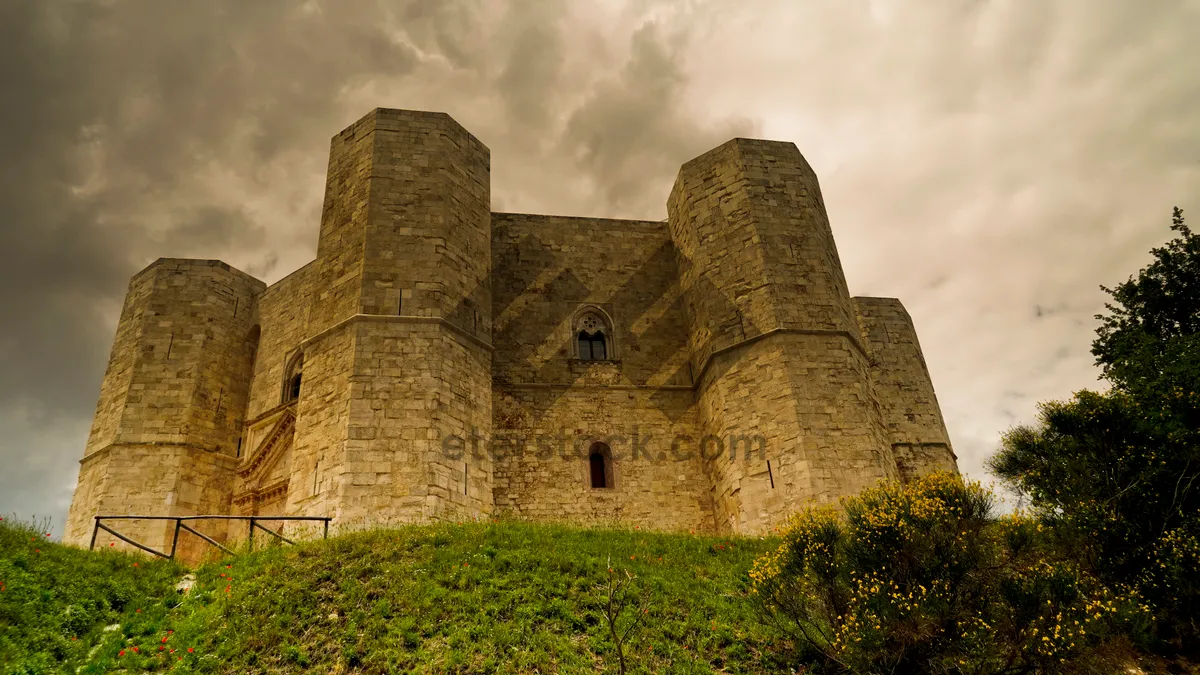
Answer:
(255, 522)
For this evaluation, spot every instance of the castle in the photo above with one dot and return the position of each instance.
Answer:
(438, 361)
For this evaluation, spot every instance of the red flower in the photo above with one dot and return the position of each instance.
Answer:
(135, 564)
(190, 650)
(137, 611)
(47, 534)
(160, 648)
(121, 653)
(37, 550)
(164, 639)
(135, 649)
(112, 543)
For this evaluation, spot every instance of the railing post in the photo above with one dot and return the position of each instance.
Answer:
(175, 539)
(251, 540)
(326, 528)
(95, 531)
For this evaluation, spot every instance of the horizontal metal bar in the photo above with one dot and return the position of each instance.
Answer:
(255, 524)
(205, 538)
(324, 518)
(127, 540)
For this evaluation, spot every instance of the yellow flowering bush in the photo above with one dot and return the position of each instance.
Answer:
(923, 578)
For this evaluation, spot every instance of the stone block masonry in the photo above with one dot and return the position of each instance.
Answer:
(438, 361)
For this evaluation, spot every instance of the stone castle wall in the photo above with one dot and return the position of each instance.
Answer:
(436, 343)
(551, 406)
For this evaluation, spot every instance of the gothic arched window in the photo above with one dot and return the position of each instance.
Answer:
(293, 375)
(600, 466)
(593, 336)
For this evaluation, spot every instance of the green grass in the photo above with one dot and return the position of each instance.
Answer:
(469, 598)
(56, 600)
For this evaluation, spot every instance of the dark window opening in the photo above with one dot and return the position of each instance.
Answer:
(600, 466)
(592, 346)
(598, 473)
(292, 378)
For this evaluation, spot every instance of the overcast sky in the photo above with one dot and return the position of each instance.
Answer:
(988, 163)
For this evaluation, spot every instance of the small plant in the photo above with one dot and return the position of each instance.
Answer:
(618, 596)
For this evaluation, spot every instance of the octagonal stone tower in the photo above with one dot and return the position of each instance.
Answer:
(774, 339)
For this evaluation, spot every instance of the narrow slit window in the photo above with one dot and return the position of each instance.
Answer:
(600, 466)
(599, 479)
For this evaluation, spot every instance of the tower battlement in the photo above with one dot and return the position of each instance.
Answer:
(438, 361)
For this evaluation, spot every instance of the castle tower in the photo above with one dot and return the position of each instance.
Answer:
(165, 434)
(397, 362)
(913, 417)
(775, 346)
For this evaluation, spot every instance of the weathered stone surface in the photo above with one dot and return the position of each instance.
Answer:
(440, 375)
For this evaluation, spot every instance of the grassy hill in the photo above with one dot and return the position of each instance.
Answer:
(469, 598)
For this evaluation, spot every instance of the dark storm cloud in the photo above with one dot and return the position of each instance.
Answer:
(198, 129)
(122, 106)
(634, 128)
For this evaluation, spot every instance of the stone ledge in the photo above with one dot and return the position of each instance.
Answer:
(564, 385)
(779, 331)
(384, 318)
(160, 444)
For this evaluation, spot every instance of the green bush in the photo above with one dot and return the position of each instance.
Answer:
(923, 579)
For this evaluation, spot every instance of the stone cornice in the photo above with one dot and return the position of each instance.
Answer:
(853, 339)
(618, 387)
(383, 318)
(191, 447)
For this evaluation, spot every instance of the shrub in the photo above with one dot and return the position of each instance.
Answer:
(923, 579)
